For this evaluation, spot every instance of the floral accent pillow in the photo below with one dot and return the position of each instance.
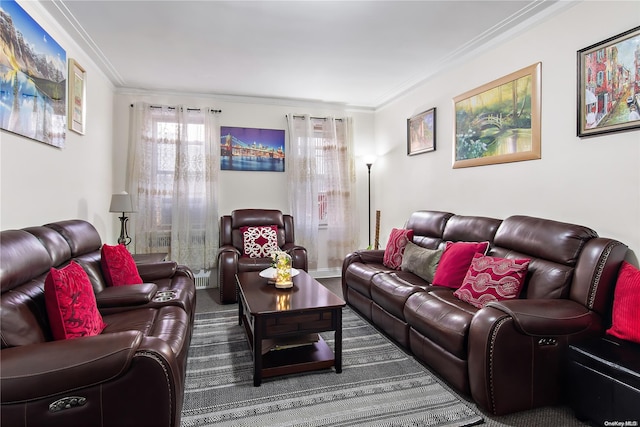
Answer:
(492, 279)
(455, 262)
(626, 300)
(118, 266)
(259, 242)
(395, 247)
(71, 304)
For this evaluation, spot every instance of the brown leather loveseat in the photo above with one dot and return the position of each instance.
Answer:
(131, 374)
(230, 256)
(510, 355)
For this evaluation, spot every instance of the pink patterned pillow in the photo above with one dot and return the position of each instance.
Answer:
(71, 304)
(259, 242)
(455, 262)
(626, 300)
(118, 266)
(395, 247)
(492, 279)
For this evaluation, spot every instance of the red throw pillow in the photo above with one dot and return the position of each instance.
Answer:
(118, 266)
(626, 300)
(455, 262)
(395, 247)
(259, 242)
(492, 279)
(71, 304)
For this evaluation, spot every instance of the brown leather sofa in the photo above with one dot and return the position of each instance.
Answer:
(230, 259)
(510, 355)
(132, 374)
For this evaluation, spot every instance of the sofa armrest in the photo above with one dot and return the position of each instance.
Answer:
(157, 270)
(44, 369)
(118, 296)
(547, 317)
(227, 269)
(517, 351)
(298, 255)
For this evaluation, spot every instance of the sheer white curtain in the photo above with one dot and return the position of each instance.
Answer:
(172, 176)
(322, 185)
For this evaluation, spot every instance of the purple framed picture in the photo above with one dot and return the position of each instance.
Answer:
(250, 149)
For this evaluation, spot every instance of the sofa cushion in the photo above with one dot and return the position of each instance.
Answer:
(626, 300)
(442, 318)
(395, 247)
(492, 279)
(455, 261)
(118, 266)
(71, 304)
(259, 242)
(420, 261)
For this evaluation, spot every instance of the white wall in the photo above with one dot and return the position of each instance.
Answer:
(40, 183)
(592, 181)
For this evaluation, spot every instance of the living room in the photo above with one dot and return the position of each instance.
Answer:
(577, 180)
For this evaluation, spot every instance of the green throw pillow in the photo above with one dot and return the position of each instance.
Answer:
(420, 261)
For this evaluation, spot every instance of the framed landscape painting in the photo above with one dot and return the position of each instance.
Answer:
(250, 149)
(499, 122)
(33, 78)
(421, 132)
(609, 85)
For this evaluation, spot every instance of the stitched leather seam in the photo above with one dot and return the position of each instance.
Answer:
(494, 333)
(599, 269)
(166, 376)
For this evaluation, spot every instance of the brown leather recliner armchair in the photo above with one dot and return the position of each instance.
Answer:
(230, 255)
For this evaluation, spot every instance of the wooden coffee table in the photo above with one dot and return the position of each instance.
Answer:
(282, 325)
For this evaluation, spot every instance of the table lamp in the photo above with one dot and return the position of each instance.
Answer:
(121, 202)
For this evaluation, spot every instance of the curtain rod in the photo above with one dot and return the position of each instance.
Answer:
(315, 118)
(188, 109)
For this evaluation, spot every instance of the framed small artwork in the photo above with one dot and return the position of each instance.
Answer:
(421, 132)
(499, 122)
(77, 94)
(609, 85)
(250, 149)
(33, 75)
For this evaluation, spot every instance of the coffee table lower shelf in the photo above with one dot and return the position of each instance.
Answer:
(298, 359)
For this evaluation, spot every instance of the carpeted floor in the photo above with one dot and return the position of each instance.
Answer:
(559, 416)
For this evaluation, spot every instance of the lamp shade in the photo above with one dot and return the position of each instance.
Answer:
(121, 202)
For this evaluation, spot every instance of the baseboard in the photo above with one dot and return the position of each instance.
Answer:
(325, 273)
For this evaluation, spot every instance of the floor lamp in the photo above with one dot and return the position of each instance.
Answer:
(122, 203)
(369, 171)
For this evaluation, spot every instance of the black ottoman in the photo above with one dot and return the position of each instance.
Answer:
(604, 382)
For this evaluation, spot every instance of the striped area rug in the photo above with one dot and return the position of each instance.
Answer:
(380, 385)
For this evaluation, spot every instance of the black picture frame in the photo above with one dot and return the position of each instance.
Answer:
(421, 132)
(606, 96)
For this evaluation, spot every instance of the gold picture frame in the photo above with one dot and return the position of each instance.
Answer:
(77, 97)
(499, 122)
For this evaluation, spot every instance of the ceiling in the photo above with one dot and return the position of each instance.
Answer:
(354, 53)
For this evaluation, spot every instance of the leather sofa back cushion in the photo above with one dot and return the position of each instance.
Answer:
(626, 300)
(395, 247)
(455, 262)
(420, 261)
(492, 279)
(259, 242)
(71, 304)
(118, 266)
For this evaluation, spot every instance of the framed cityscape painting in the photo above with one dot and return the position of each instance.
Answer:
(499, 122)
(250, 149)
(33, 78)
(609, 85)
